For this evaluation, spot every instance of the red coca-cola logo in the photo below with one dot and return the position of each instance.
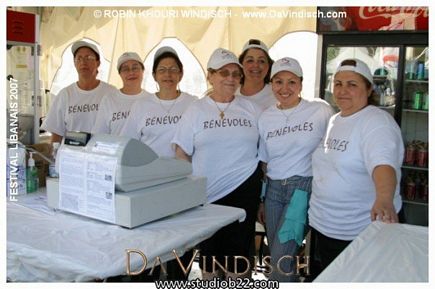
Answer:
(387, 12)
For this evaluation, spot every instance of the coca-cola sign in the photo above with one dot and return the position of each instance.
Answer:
(331, 19)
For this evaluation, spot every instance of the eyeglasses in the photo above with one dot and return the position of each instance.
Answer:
(171, 70)
(226, 73)
(126, 69)
(87, 58)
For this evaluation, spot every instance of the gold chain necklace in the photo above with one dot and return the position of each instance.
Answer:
(222, 111)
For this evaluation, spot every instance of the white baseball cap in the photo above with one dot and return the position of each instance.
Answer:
(126, 56)
(221, 57)
(164, 49)
(82, 43)
(287, 64)
(356, 66)
(255, 43)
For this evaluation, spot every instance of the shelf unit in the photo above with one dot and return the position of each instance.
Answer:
(415, 126)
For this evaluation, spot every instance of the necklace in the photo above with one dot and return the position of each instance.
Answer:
(222, 111)
(287, 116)
(171, 107)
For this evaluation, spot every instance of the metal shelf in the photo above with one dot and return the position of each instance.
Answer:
(415, 168)
(415, 202)
(416, 110)
(415, 81)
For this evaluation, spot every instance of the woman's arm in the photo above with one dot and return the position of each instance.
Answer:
(56, 138)
(384, 177)
(181, 155)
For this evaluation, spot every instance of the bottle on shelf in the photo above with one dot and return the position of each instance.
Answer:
(32, 179)
(425, 101)
(52, 167)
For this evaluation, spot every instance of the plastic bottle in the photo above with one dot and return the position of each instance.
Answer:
(52, 167)
(32, 180)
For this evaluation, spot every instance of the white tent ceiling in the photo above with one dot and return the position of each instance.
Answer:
(141, 29)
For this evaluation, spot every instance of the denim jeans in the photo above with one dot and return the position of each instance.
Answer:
(278, 196)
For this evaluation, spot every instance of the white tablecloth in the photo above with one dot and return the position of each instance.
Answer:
(48, 245)
(382, 253)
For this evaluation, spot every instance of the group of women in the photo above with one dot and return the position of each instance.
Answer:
(252, 129)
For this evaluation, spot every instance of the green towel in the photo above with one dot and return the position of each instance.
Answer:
(294, 225)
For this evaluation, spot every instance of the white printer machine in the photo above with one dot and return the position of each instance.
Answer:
(147, 187)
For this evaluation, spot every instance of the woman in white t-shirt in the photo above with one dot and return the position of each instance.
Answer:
(255, 80)
(219, 135)
(75, 107)
(153, 120)
(115, 108)
(357, 169)
(290, 131)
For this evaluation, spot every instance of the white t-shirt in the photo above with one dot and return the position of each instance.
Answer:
(264, 98)
(154, 121)
(75, 109)
(289, 137)
(343, 189)
(113, 112)
(223, 150)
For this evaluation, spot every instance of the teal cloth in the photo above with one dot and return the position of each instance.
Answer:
(295, 221)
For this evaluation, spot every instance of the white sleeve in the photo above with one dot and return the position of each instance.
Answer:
(327, 113)
(131, 126)
(184, 135)
(382, 145)
(102, 121)
(262, 148)
(55, 120)
(262, 151)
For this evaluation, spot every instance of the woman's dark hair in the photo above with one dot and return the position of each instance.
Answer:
(167, 54)
(97, 56)
(269, 60)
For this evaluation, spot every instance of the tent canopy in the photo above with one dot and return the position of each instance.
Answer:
(141, 29)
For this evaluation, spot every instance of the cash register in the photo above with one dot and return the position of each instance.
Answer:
(147, 187)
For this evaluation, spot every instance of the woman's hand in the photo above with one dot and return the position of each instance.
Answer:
(383, 210)
(261, 216)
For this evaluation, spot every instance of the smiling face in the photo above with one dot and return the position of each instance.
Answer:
(286, 87)
(225, 80)
(86, 63)
(131, 73)
(351, 92)
(255, 65)
(168, 74)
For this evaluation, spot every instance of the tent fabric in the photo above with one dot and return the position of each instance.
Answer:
(144, 28)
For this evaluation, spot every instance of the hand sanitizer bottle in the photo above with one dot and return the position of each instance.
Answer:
(32, 180)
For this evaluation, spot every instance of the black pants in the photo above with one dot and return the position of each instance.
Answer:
(236, 238)
(327, 249)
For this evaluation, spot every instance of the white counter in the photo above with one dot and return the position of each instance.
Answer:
(47, 245)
